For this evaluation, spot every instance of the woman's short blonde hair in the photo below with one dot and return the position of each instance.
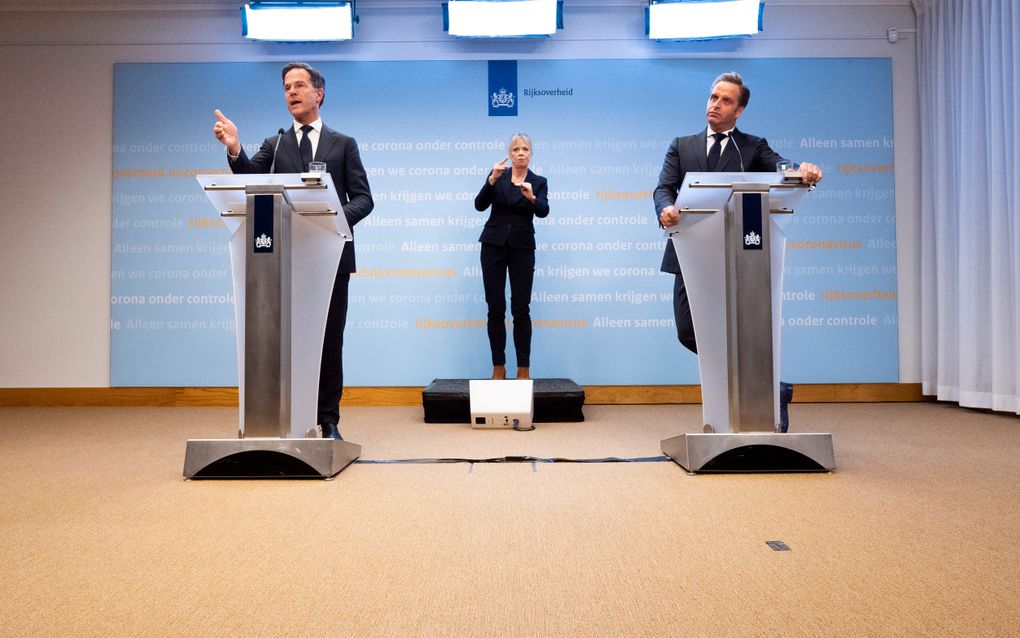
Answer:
(519, 136)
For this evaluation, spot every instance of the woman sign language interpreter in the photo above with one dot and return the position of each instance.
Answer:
(517, 196)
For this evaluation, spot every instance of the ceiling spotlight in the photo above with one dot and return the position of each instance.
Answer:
(298, 21)
(502, 18)
(703, 19)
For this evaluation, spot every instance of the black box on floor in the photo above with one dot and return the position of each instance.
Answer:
(556, 401)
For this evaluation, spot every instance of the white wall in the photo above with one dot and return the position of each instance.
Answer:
(56, 67)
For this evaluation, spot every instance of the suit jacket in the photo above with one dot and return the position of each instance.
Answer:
(689, 154)
(512, 219)
(343, 162)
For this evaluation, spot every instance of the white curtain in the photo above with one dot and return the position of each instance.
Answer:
(969, 76)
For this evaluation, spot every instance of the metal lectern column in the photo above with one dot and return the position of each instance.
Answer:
(267, 379)
(749, 310)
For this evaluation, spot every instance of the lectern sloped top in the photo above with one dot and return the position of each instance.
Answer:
(227, 194)
(710, 191)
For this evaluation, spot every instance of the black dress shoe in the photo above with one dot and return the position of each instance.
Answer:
(330, 431)
(785, 396)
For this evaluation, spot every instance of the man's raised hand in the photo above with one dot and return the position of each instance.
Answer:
(226, 132)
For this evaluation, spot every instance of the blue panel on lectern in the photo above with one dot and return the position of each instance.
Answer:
(752, 222)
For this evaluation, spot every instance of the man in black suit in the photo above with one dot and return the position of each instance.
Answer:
(307, 139)
(721, 147)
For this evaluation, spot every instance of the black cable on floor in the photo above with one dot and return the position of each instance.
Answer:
(515, 459)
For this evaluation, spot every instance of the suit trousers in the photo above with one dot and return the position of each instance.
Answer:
(497, 262)
(682, 314)
(331, 366)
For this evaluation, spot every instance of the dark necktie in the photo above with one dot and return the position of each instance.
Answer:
(306, 146)
(715, 151)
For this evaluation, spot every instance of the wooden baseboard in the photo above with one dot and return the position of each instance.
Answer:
(407, 396)
(118, 397)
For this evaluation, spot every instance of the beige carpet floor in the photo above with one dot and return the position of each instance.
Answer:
(917, 532)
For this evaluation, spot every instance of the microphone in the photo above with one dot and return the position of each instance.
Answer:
(279, 136)
(739, 156)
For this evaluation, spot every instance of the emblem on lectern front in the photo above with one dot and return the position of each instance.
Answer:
(752, 239)
(264, 241)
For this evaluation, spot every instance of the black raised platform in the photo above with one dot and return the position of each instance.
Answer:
(556, 401)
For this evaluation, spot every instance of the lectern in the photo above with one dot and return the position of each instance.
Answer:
(731, 247)
(287, 233)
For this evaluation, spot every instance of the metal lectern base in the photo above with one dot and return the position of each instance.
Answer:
(267, 458)
(751, 452)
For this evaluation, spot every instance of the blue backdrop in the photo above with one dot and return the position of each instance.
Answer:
(429, 132)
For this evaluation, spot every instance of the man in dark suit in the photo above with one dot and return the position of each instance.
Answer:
(721, 147)
(307, 139)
